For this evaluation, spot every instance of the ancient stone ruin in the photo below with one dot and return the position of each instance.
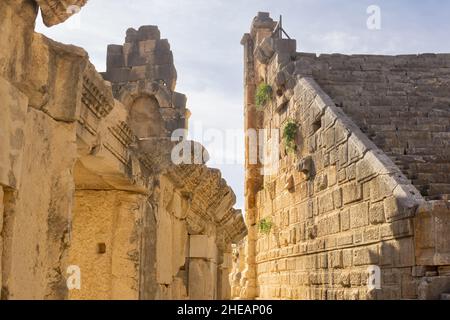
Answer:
(358, 207)
(87, 183)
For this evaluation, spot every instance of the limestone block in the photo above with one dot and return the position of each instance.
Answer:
(149, 33)
(179, 100)
(202, 246)
(46, 199)
(329, 118)
(180, 241)
(132, 56)
(351, 192)
(115, 58)
(55, 85)
(138, 72)
(302, 96)
(326, 203)
(359, 215)
(399, 208)
(202, 279)
(351, 172)
(17, 22)
(265, 50)
(162, 48)
(118, 74)
(285, 46)
(158, 58)
(337, 198)
(166, 72)
(381, 187)
(146, 47)
(376, 213)
(366, 256)
(356, 148)
(431, 233)
(13, 111)
(227, 262)
(345, 220)
(164, 248)
(131, 35)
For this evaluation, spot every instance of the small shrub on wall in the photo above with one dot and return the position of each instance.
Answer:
(265, 226)
(263, 95)
(289, 134)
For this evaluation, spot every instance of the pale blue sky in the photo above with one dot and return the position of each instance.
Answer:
(205, 38)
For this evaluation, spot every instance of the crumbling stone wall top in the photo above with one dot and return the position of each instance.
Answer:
(144, 55)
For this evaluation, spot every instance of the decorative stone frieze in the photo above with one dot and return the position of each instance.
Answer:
(58, 11)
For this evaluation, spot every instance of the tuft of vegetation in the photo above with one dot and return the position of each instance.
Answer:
(289, 134)
(263, 95)
(265, 225)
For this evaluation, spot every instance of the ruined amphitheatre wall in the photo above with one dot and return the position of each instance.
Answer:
(338, 204)
(400, 102)
(86, 177)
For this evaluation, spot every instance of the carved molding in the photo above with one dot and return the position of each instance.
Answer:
(96, 94)
(211, 202)
(58, 11)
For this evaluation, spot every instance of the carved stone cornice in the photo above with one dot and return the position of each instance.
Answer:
(211, 201)
(57, 11)
(96, 94)
(124, 133)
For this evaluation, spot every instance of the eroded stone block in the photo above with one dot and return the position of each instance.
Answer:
(13, 109)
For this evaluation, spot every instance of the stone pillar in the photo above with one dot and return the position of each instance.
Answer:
(202, 268)
(148, 282)
(262, 27)
(223, 276)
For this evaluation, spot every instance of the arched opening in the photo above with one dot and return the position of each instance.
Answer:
(145, 119)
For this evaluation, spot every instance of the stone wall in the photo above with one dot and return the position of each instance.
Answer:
(400, 102)
(105, 244)
(37, 227)
(34, 227)
(338, 206)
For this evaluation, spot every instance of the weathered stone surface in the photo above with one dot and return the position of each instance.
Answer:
(45, 196)
(12, 135)
(202, 247)
(113, 218)
(144, 56)
(57, 11)
(87, 181)
(361, 171)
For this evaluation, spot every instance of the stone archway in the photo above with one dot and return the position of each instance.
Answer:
(145, 119)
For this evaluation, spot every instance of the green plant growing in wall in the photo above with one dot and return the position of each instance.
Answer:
(289, 134)
(265, 225)
(263, 95)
